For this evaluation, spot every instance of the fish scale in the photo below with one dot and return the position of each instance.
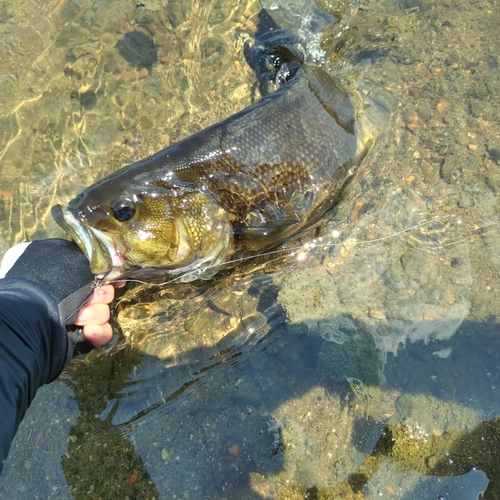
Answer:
(241, 186)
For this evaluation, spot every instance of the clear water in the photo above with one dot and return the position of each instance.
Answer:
(360, 364)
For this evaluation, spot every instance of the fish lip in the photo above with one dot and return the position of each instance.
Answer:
(74, 228)
(98, 247)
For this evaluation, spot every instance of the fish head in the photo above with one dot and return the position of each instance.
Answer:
(143, 231)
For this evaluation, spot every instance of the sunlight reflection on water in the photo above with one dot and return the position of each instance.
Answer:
(281, 375)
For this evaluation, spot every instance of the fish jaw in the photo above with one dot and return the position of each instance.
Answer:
(99, 248)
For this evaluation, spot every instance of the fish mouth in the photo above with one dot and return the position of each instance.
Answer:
(99, 248)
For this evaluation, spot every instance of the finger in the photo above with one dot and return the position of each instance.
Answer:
(102, 295)
(98, 335)
(95, 313)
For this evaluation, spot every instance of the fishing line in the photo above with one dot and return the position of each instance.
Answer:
(306, 247)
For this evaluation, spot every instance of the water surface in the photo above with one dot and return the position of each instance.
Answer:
(362, 362)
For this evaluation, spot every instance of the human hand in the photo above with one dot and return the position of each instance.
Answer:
(63, 271)
(94, 316)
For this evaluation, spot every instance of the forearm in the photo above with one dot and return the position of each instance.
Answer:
(33, 351)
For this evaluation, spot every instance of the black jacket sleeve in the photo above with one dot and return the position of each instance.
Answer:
(33, 350)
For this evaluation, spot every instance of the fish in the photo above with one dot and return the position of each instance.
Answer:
(235, 189)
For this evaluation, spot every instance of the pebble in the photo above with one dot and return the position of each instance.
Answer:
(138, 49)
(316, 271)
(377, 314)
(347, 246)
(451, 169)
(234, 449)
(143, 73)
(128, 76)
(441, 106)
(414, 122)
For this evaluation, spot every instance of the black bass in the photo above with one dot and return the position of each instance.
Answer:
(236, 188)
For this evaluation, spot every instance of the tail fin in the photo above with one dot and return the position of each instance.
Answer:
(274, 55)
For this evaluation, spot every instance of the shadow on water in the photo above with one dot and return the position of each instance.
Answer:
(216, 436)
(301, 411)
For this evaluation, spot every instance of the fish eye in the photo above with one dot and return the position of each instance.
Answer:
(123, 210)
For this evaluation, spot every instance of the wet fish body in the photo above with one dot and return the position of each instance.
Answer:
(239, 187)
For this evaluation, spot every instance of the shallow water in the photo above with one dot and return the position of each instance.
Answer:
(362, 362)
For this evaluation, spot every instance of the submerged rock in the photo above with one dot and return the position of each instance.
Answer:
(138, 49)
